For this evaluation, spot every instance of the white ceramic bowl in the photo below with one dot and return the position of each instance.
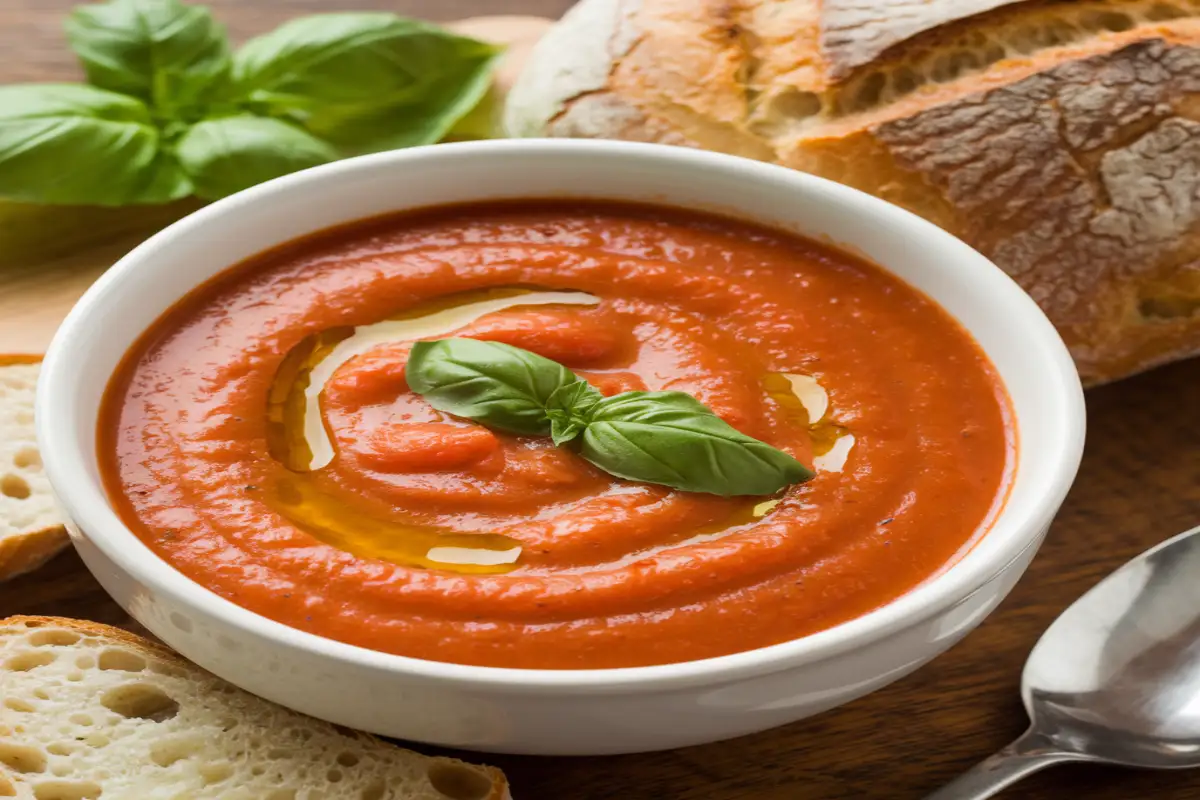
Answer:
(542, 711)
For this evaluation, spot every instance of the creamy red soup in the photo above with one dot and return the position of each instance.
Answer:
(261, 437)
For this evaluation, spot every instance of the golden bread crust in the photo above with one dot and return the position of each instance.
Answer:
(27, 552)
(1058, 138)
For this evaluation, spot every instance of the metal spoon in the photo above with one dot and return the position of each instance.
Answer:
(1115, 679)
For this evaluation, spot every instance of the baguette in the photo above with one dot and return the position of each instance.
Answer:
(31, 531)
(91, 711)
(1060, 138)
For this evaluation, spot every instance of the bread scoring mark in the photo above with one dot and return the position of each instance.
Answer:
(855, 32)
(972, 46)
(1079, 181)
(1015, 33)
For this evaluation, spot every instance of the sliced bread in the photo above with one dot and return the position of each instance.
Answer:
(90, 711)
(31, 531)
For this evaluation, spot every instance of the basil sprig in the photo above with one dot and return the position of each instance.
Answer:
(668, 438)
(172, 111)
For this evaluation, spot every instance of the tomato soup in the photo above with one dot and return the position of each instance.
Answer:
(262, 439)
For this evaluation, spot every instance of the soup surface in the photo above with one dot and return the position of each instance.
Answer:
(261, 437)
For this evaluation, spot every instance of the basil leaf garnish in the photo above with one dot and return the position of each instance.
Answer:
(496, 384)
(223, 156)
(64, 143)
(673, 439)
(366, 81)
(668, 438)
(160, 51)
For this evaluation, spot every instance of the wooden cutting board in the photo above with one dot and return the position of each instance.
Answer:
(1139, 484)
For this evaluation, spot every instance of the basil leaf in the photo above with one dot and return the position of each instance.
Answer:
(72, 144)
(226, 155)
(496, 384)
(448, 97)
(569, 410)
(671, 438)
(161, 51)
(365, 81)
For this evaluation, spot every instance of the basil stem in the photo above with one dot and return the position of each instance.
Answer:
(569, 410)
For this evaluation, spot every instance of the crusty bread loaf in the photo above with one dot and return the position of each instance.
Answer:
(1061, 139)
(30, 529)
(90, 711)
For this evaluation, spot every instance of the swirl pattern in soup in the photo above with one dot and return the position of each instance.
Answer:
(324, 494)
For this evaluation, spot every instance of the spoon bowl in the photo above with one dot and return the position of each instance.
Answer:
(1117, 676)
(1115, 679)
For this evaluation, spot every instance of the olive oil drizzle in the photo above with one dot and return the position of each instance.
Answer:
(301, 442)
(351, 527)
(804, 399)
(299, 439)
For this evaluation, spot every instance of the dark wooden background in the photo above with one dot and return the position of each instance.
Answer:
(1140, 483)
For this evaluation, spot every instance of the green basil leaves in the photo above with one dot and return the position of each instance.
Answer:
(171, 111)
(366, 81)
(63, 143)
(669, 438)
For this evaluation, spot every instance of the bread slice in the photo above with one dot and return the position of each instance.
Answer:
(31, 531)
(91, 711)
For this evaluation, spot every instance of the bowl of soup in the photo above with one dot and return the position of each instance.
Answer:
(254, 469)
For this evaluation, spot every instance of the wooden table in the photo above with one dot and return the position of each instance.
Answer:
(1139, 484)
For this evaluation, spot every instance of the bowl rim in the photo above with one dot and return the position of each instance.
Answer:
(85, 499)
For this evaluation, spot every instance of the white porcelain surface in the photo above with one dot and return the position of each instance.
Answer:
(537, 711)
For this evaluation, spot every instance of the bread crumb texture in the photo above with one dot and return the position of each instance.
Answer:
(30, 526)
(25, 499)
(93, 712)
(1061, 139)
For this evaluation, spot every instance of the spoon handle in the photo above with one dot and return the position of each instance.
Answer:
(1028, 754)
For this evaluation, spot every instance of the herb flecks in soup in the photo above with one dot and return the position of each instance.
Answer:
(263, 438)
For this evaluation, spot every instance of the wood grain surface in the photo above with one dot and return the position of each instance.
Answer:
(1140, 483)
